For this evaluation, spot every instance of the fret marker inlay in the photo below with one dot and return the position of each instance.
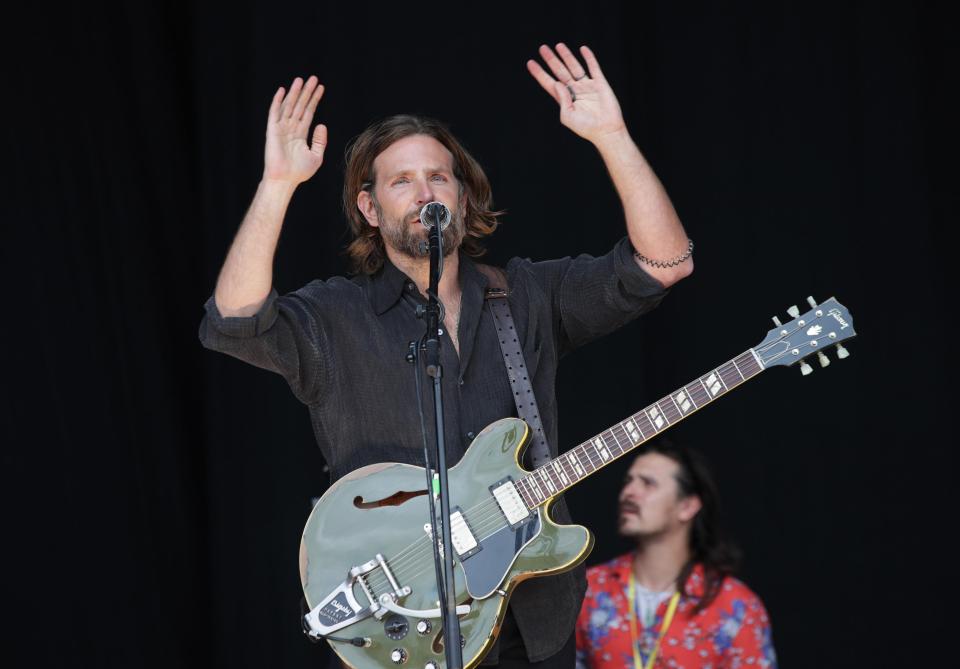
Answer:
(601, 448)
(682, 401)
(713, 383)
(656, 418)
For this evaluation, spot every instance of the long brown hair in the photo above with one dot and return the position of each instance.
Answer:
(708, 543)
(366, 251)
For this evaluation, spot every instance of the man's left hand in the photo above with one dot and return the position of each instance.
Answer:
(588, 105)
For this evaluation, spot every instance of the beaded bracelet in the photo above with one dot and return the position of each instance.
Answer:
(666, 263)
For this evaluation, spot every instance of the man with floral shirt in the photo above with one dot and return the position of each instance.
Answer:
(672, 602)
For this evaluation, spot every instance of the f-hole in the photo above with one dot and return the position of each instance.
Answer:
(396, 499)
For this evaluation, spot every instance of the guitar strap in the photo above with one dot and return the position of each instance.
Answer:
(538, 453)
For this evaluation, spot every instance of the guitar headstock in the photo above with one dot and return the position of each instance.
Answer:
(824, 326)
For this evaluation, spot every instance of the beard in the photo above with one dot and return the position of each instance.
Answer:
(411, 241)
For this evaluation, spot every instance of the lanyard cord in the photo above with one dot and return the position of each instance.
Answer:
(664, 626)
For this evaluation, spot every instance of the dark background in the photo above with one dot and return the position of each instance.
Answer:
(153, 493)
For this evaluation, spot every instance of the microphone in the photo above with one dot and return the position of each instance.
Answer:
(433, 212)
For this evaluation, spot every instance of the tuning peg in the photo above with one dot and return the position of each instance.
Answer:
(812, 302)
(793, 311)
(776, 321)
(824, 360)
(842, 352)
(805, 368)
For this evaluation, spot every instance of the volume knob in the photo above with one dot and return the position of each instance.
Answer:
(424, 627)
(398, 656)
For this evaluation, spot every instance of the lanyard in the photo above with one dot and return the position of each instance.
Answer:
(664, 626)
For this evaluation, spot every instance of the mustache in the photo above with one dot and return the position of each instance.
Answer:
(629, 507)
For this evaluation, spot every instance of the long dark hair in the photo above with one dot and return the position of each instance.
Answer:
(708, 545)
(366, 251)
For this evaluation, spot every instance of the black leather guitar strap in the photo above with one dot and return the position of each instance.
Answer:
(538, 453)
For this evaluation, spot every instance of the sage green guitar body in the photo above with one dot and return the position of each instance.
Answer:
(382, 510)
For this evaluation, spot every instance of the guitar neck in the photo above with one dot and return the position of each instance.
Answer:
(578, 463)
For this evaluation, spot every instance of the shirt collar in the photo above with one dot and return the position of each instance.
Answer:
(385, 288)
(694, 587)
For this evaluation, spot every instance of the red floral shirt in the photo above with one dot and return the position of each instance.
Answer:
(734, 631)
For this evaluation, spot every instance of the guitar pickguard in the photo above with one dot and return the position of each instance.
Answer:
(486, 569)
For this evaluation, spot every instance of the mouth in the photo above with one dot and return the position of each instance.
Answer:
(629, 510)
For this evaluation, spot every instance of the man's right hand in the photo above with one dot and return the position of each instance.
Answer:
(287, 156)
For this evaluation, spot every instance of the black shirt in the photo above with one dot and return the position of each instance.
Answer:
(341, 345)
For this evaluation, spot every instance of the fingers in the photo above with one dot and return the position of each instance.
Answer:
(319, 143)
(595, 71)
(556, 65)
(570, 61)
(274, 115)
(545, 80)
(306, 96)
(289, 102)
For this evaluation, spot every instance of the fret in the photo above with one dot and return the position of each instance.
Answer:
(564, 479)
(601, 448)
(546, 481)
(575, 463)
(568, 470)
(657, 418)
(536, 487)
(748, 363)
(737, 367)
(691, 394)
(630, 427)
(725, 375)
(643, 415)
(619, 445)
(590, 464)
(757, 359)
(714, 384)
(683, 401)
(528, 497)
(670, 412)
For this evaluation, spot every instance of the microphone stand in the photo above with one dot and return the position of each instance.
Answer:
(447, 587)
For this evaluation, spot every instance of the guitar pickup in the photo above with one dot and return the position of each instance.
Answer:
(464, 542)
(510, 502)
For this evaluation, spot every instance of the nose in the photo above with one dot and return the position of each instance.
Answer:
(425, 193)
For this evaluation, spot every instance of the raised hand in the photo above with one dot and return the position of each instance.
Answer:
(287, 156)
(588, 105)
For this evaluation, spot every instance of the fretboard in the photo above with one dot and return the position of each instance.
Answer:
(578, 463)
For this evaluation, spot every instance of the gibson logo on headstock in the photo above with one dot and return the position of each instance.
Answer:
(837, 317)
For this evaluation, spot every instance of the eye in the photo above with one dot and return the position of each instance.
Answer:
(400, 181)
(439, 178)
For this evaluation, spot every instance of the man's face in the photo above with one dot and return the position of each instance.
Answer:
(650, 502)
(410, 173)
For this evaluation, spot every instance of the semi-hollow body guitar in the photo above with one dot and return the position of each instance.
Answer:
(366, 560)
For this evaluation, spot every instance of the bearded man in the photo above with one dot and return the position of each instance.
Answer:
(340, 343)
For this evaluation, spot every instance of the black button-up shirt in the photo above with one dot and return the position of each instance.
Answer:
(341, 344)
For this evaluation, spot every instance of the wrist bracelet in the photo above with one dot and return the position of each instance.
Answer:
(666, 263)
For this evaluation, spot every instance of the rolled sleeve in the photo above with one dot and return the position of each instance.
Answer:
(240, 326)
(284, 336)
(593, 296)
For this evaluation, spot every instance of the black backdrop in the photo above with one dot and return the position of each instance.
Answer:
(153, 493)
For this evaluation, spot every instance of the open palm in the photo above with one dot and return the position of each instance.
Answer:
(588, 106)
(287, 156)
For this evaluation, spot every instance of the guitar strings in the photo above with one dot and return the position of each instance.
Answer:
(412, 555)
(491, 523)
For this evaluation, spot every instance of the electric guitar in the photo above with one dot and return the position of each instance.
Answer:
(366, 557)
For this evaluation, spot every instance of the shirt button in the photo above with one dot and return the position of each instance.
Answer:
(471, 436)
(410, 286)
